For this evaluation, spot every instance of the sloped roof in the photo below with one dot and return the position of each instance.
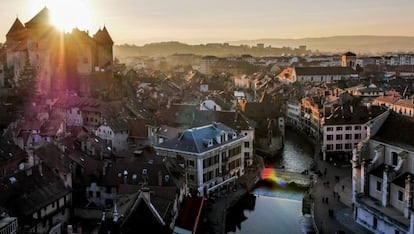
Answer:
(42, 18)
(194, 140)
(306, 71)
(31, 193)
(397, 130)
(102, 37)
(346, 114)
(16, 28)
(349, 53)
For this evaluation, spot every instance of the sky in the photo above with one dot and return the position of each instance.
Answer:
(201, 21)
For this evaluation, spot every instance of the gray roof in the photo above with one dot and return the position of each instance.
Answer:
(195, 140)
(397, 130)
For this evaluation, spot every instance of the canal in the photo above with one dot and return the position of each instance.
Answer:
(272, 208)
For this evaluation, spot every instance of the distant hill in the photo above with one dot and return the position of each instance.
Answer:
(370, 45)
(335, 44)
(216, 49)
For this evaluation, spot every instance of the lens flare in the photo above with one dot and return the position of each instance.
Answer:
(270, 174)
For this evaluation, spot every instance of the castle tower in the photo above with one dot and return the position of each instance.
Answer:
(104, 53)
(349, 60)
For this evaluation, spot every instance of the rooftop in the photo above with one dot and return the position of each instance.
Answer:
(397, 130)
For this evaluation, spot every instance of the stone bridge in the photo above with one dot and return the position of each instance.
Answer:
(281, 175)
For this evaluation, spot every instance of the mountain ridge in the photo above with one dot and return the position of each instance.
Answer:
(340, 43)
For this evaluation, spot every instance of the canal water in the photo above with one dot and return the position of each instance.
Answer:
(271, 208)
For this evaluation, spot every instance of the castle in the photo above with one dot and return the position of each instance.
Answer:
(59, 61)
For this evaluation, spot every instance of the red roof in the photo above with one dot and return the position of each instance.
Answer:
(189, 216)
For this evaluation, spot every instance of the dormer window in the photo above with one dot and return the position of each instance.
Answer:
(208, 142)
(166, 178)
(144, 171)
(234, 135)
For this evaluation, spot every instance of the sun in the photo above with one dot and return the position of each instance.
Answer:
(69, 14)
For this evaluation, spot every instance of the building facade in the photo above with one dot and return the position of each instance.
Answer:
(213, 156)
(347, 126)
(382, 181)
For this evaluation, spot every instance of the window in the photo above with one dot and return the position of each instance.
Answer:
(348, 136)
(379, 186)
(339, 137)
(190, 163)
(394, 158)
(357, 136)
(348, 128)
(329, 147)
(191, 177)
(338, 146)
(246, 144)
(357, 127)
(338, 128)
(348, 146)
(329, 129)
(400, 196)
(329, 137)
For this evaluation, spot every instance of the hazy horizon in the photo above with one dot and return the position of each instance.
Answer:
(195, 22)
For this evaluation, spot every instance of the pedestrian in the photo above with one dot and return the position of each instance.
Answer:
(339, 197)
(323, 199)
(325, 171)
(327, 184)
(343, 187)
(333, 193)
(326, 200)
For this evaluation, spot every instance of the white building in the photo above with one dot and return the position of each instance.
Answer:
(346, 126)
(293, 113)
(210, 105)
(115, 133)
(213, 155)
(316, 74)
(382, 178)
(74, 116)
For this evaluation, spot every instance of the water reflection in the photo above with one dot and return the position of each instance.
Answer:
(297, 154)
(271, 208)
(267, 210)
